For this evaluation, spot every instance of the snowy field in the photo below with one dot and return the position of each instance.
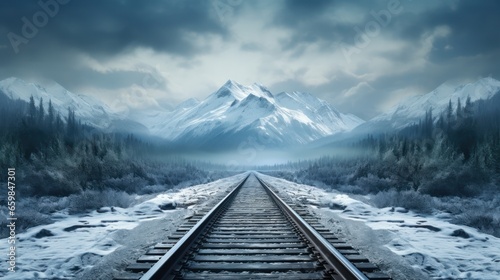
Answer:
(431, 245)
(402, 243)
(84, 246)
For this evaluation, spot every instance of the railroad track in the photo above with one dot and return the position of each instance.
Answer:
(253, 234)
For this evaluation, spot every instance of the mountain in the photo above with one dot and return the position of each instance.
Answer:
(412, 110)
(87, 109)
(237, 115)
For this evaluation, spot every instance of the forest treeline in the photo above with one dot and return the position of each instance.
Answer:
(449, 161)
(57, 155)
(456, 153)
(64, 165)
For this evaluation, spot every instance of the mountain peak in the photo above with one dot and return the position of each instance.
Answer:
(414, 108)
(260, 101)
(236, 112)
(11, 80)
(230, 82)
(231, 89)
(87, 108)
(489, 81)
(240, 92)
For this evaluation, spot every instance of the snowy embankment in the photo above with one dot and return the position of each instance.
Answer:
(98, 244)
(427, 244)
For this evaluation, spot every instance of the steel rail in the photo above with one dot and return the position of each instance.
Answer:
(332, 256)
(164, 268)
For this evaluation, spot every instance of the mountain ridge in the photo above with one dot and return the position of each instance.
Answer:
(88, 109)
(234, 112)
(253, 110)
(411, 110)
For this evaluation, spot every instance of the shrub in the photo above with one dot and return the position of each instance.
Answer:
(354, 189)
(93, 200)
(27, 217)
(481, 213)
(150, 189)
(372, 183)
(410, 199)
(128, 183)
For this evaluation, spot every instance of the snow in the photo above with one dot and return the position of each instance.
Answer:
(189, 103)
(81, 241)
(414, 108)
(87, 109)
(295, 118)
(82, 245)
(425, 242)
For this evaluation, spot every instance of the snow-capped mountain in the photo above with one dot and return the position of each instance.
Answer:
(231, 116)
(237, 114)
(87, 109)
(413, 109)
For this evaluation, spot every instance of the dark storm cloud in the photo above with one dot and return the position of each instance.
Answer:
(98, 29)
(474, 29)
(304, 19)
(109, 27)
(299, 31)
(474, 24)
(311, 21)
(471, 49)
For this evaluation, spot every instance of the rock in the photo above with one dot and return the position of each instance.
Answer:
(103, 210)
(90, 259)
(429, 227)
(43, 233)
(401, 210)
(336, 206)
(396, 221)
(75, 227)
(168, 206)
(460, 233)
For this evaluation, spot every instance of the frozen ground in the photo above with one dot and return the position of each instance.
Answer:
(405, 245)
(429, 246)
(87, 246)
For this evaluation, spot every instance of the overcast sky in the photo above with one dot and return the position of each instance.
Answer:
(363, 57)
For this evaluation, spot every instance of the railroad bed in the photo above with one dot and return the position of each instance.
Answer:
(253, 234)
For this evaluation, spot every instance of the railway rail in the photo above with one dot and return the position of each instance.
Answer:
(252, 233)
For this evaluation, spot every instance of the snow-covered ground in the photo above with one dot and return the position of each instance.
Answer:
(86, 246)
(430, 244)
(402, 243)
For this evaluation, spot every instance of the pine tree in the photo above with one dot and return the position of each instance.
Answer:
(70, 127)
(51, 115)
(459, 109)
(59, 125)
(41, 112)
(468, 108)
(449, 116)
(32, 109)
(449, 110)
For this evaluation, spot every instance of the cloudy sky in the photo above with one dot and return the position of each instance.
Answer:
(363, 57)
